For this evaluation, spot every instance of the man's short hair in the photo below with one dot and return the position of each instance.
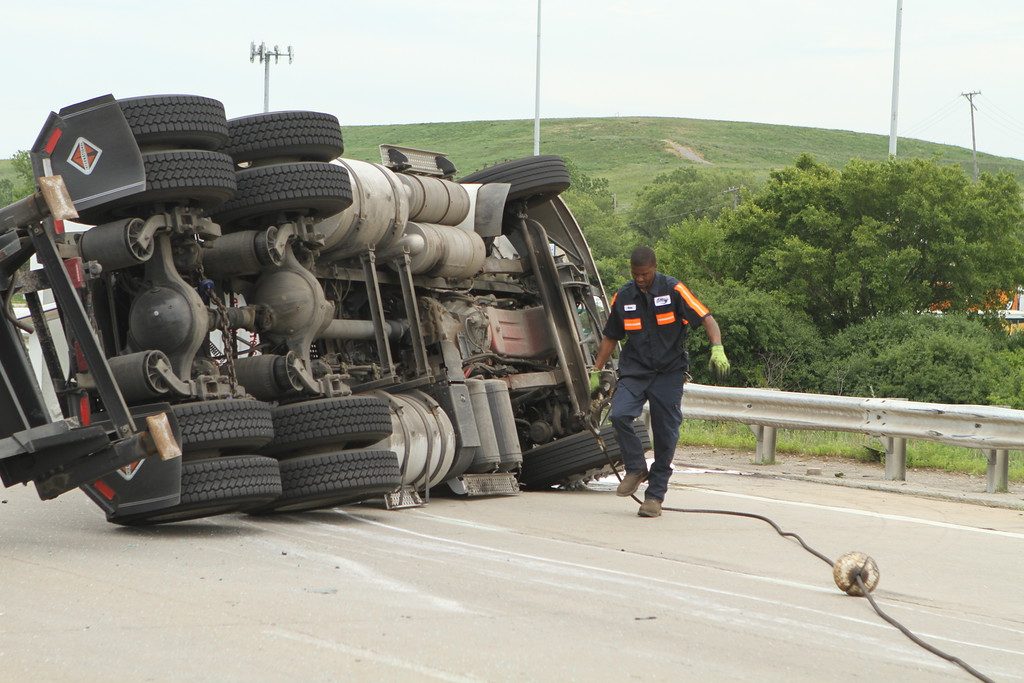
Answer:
(643, 256)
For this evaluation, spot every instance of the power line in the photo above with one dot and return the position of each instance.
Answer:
(942, 112)
(1019, 134)
(1007, 118)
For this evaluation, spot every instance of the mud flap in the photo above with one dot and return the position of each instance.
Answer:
(144, 485)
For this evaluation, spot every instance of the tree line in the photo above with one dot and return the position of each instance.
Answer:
(876, 279)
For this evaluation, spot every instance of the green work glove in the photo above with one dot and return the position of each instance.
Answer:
(603, 380)
(719, 364)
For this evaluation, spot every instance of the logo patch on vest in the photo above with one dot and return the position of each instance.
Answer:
(629, 307)
(662, 300)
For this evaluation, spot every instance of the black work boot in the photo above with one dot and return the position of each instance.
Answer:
(651, 507)
(630, 483)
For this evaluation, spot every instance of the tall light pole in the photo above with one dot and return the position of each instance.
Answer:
(264, 53)
(895, 79)
(536, 114)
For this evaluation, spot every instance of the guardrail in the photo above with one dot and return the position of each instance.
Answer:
(992, 430)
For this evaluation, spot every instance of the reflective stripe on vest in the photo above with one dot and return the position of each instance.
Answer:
(632, 324)
(692, 301)
(666, 318)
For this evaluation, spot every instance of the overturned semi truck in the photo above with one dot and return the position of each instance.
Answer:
(306, 330)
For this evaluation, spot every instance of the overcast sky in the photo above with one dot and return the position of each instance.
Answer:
(826, 64)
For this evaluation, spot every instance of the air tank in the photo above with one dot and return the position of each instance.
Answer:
(376, 218)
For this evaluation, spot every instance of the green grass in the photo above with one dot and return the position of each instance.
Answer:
(631, 151)
(924, 454)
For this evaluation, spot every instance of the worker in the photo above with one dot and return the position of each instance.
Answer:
(655, 313)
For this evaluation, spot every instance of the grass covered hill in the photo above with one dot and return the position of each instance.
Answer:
(631, 151)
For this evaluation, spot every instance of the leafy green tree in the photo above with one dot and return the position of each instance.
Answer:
(686, 193)
(25, 179)
(934, 358)
(769, 343)
(879, 238)
(6, 191)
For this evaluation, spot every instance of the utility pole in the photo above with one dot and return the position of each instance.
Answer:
(264, 53)
(895, 79)
(974, 142)
(735, 192)
(536, 114)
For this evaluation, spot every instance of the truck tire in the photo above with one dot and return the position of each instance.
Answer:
(215, 486)
(329, 479)
(193, 177)
(534, 179)
(285, 135)
(229, 424)
(558, 461)
(354, 421)
(187, 121)
(307, 188)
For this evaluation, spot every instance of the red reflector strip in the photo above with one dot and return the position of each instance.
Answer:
(84, 411)
(58, 227)
(83, 365)
(632, 324)
(75, 271)
(666, 318)
(104, 490)
(51, 142)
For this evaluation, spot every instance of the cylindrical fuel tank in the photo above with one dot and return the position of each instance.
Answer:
(433, 200)
(423, 437)
(426, 247)
(463, 253)
(444, 251)
(488, 456)
(376, 218)
(504, 424)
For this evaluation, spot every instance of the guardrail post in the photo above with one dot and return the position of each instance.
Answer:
(895, 458)
(998, 470)
(765, 453)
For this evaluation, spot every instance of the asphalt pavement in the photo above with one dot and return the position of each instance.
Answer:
(566, 586)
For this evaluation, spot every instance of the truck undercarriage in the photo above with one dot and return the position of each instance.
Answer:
(312, 330)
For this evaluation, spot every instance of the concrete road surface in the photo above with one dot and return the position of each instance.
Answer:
(564, 586)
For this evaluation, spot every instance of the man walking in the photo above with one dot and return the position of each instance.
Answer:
(656, 312)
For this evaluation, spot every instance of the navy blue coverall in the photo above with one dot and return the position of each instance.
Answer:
(652, 368)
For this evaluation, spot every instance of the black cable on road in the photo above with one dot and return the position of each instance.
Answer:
(824, 558)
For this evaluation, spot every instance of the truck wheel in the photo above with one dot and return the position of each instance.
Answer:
(285, 135)
(193, 177)
(535, 179)
(557, 462)
(187, 121)
(215, 486)
(354, 421)
(233, 424)
(307, 188)
(329, 479)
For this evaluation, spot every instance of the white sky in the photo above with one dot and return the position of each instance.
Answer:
(826, 64)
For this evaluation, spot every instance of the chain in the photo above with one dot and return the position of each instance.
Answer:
(227, 334)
